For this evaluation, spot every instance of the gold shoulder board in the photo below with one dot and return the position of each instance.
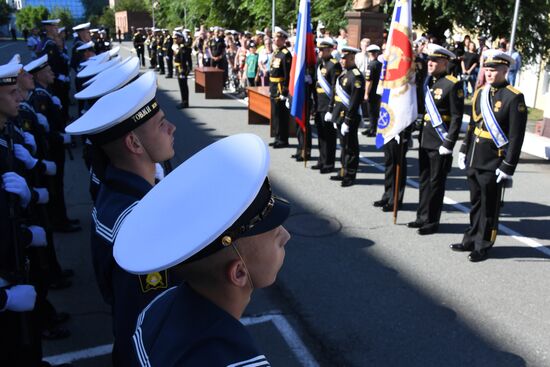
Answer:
(512, 89)
(452, 79)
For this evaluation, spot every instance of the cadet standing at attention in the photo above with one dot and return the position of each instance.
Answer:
(130, 135)
(222, 231)
(279, 74)
(350, 90)
(491, 152)
(444, 100)
(328, 70)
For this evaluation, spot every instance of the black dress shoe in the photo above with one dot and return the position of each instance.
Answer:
(326, 170)
(337, 178)
(415, 224)
(295, 156)
(316, 167)
(478, 255)
(379, 203)
(301, 159)
(387, 208)
(168, 76)
(279, 145)
(423, 231)
(460, 247)
(55, 333)
(272, 144)
(66, 228)
(347, 182)
(182, 106)
(365, 132)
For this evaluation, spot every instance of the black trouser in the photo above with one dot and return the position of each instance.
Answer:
(57, 197)
(169, 66)
(184, 90)
(304, 138)
(61, 90)
(221, 64)
(160, 62)
(394, 153)
(12, 350)
(373, 107)
(141, 55)
(433, 170)
(326, 136)
(152, 57)
(485, 196)
(350, 151)
(280, 119)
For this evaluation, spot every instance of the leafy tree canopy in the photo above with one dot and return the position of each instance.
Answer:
(134, 5)
(65, 17)
(5, 11)
(31, 16)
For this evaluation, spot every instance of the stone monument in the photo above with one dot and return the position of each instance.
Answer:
(365, 21)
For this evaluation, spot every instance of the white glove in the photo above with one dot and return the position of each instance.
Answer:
(38, 236)
(282, 98)
(287, 103)
(501, 175)
(20, 298)
(42, 120)
(56, 101)
(51, 167)
(66, 138)
(309, 80)
(64, 78)
(29, 140)
(22, 154)
(43, 195)
(328, 117)
(462, 161)
(159, 171)
(335, 126)
(344, 129)
(444, 151)
(15, 184)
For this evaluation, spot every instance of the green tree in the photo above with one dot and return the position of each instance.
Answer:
(331, 13)
(132, 5)
(31, 16)
(65, 17)
(107, 19)
(5, 11)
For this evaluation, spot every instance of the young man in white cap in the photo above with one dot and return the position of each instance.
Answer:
(490, 152)
(444, 100)
(328, 71)
(130, 134)
(279, 74)
(43, 102)
(225, 237)
(349, 93)
(83, 32)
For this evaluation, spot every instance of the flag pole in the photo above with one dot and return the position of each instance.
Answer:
(397, 181)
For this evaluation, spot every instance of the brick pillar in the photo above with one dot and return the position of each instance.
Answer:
(362, 24)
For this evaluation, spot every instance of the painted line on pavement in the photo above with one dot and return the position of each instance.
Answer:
(289, 335)
(80, 354)
(447, 200)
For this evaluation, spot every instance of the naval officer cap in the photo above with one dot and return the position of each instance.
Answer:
(373, 48)
(438, 52)
(492, 58)
(117, 113)
(114, 51)
(217, 196)
(86, 46)
(326, 43)
(281, 32)
(15, 59)
(81, 27)
(111, 80)
(9, 73)
(96, 68)
(100, 75)
(36, 65)
(51, 21)
(348, 50)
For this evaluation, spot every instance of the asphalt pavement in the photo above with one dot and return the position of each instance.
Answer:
(355, 290)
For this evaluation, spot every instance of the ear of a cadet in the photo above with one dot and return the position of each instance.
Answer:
(236, 273)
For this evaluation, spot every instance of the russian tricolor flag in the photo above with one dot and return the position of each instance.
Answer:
(304, 56)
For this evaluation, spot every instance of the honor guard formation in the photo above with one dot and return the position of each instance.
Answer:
(215, 224)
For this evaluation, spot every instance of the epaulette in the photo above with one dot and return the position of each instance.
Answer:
(356, 72)
(285, 51)
(512, 89)
(452, 79)
(475, 116)
(334, 61)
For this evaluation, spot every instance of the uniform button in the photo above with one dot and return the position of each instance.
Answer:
(477, 140)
